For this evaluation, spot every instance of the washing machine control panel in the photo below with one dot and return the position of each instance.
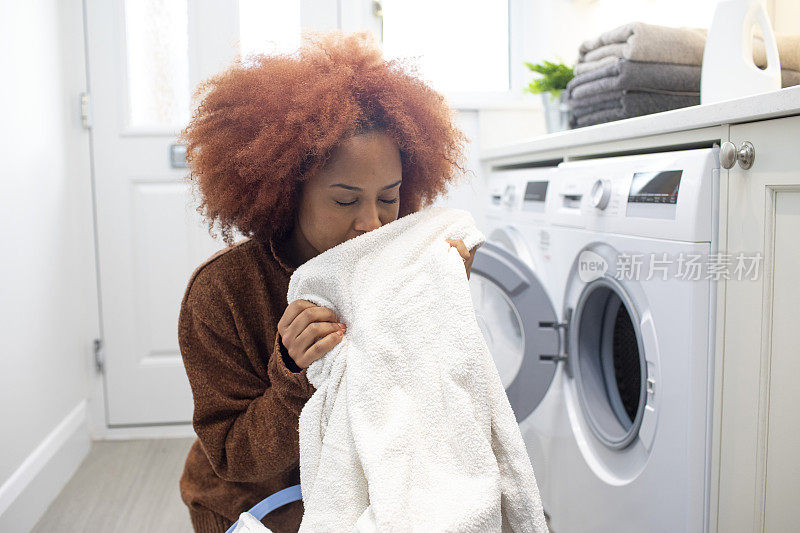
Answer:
(667, 194)
(522, 192)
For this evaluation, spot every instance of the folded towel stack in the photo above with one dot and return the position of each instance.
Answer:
(638, 69)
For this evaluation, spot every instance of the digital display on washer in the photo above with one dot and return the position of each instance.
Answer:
(659, 187)
(536, 191)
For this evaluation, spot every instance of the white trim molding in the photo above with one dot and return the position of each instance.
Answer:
(27, 493)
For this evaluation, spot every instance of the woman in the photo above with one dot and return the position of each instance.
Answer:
(298, 153)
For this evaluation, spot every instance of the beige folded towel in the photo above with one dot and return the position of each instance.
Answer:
(663, 44)
(647, 42)
(788, 51)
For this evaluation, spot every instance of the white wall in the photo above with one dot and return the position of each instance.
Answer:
(487, 128)
(470, 192)
(784, 15)
(48, 299)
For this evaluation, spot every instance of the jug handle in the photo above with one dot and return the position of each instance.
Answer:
(770, 45)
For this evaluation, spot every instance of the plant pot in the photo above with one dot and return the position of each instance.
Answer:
(556, 112)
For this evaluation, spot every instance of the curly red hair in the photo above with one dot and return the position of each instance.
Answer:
(268, 122)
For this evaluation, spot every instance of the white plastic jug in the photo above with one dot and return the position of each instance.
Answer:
(728, 67)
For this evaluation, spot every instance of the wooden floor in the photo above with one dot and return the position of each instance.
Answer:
(123, 486)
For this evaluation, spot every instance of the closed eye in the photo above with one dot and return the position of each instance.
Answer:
(354, 201)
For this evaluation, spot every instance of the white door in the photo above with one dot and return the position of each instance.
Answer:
(144, 56)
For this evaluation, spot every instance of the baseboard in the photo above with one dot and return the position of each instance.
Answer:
(25, 496)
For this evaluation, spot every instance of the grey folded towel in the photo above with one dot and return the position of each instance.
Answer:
(611, 99)
(662, 44)
(621, 74)
(582, 67)
(599, 117)
(585, 106)
(627, 104)
(789, 77)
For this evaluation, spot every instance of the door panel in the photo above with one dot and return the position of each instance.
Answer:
(759, 480)
(144, 57)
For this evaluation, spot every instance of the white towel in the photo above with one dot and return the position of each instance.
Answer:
(410, 428)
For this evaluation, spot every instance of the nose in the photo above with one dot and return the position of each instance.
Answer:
(368, 218)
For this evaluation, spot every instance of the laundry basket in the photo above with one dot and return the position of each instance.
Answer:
(272, 502)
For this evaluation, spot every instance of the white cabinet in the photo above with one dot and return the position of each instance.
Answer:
(758, 432)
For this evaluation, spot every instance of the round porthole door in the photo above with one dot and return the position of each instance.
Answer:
(512, 240)
(516, 317)
(607, 361)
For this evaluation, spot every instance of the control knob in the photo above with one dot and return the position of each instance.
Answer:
(601, 193)
(508, 195)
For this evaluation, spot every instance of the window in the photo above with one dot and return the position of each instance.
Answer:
(269, 26)
(157, 48)
(459, 45)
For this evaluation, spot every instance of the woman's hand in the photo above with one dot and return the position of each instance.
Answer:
(309, 331)
(467, 255)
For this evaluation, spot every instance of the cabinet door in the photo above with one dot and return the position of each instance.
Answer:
(759, 468)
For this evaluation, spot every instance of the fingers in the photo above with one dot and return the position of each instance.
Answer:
(321, 347)
(299, 314)
(289, 314)
(459, 245)
(314, 333)
(313, 313)
(298, 307)
(466, 255)
(312, 346)
(308, 331)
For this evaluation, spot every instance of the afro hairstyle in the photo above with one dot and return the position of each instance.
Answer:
(267, 123)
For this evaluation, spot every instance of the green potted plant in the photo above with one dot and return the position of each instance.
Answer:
(551, 84)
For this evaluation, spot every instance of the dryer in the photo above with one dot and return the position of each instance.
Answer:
(515, 221)
(518, 246)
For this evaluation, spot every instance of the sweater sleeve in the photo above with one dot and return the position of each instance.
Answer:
(247, 425)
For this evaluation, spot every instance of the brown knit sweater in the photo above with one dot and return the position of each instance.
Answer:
(247, 395)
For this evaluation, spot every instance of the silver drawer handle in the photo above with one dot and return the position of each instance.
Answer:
(729, 155)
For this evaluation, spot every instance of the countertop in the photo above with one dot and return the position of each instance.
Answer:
(783, 102)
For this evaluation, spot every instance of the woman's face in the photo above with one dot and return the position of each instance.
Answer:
(358, 190)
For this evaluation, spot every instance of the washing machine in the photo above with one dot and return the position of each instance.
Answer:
(517, 247)
(612, 342)
(636, 240)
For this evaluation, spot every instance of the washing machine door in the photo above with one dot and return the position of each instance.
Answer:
(512, 240)
(609, 365)
(516, 317)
